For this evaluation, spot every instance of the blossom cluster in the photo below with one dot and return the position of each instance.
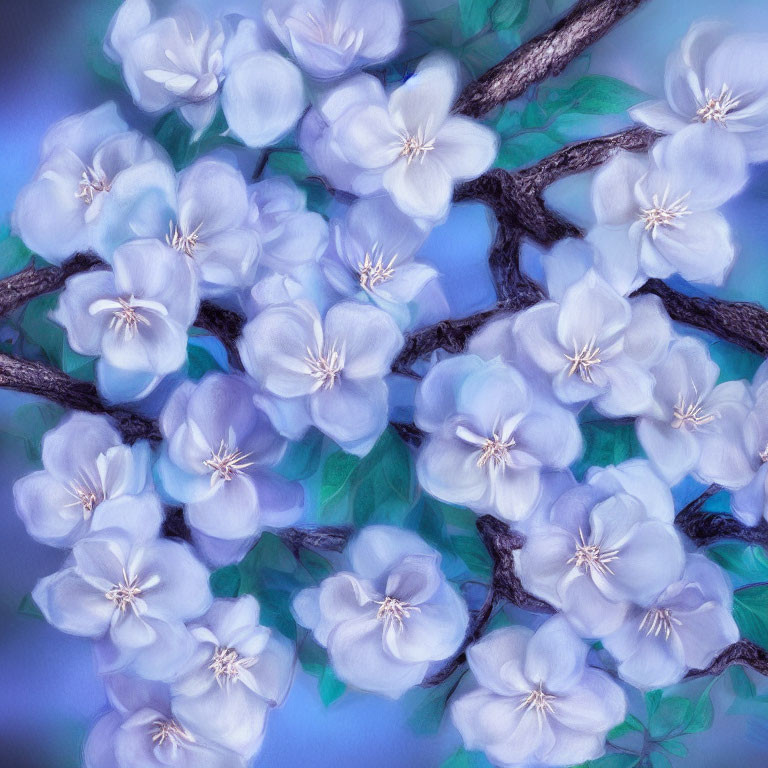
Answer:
(327, 306)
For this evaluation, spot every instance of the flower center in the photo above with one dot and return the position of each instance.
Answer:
(90, 185)
(583, 359)
(415, 147)
(225, 464)
(540, 702)
(324, 367)
(87, 498)
(764, 454)
(331, 31)
(590, 556)
(181, 242)
(496, 451)
(658, 620)
(127, 317)
(170, 731)
(664, 213)
(124, 593)
(693, 415)
(227, 664)
(391, 611)
(372, 271)
(716, 108)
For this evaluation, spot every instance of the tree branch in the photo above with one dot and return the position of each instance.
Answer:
(742, 652)
(704, 528)
(20, 288)
(544, 56)
(56, 386)
(501, 543)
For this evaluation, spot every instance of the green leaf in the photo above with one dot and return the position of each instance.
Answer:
(659, 761)
(337, 473)
(612, 761)
(474, 15)
(316, 565)
(750, 610)
(743, 687)
(200, 361)
(672, 713)
(508, 14)
(289, 162)
(605, 443)
(28, 607)
(329, 686)
(702, 713)
(312, 657)
(39, 329)
(427, 706)
(734, 361)
(30, 422)
(524, 149)
(225, 582)
(461, 758)
(302, 458)
(596, 95)
(630, 725)
(745, 560)
(269, 552)
(474, 554)
(676, 748)
(652, 701)
(14, 255)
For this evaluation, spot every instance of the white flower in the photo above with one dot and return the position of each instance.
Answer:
(386, 622)
(537, 701)
(420, 149)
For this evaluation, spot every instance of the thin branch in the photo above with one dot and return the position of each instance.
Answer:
(226, 325)
(55, 385)
(743, 652)
(501, 543)
(544, 56)
(31, 282)
(329, 538)
(704, 528)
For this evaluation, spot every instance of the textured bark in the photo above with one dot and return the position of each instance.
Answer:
(226, 325)
(501, 543)
(704, 528)
(743, 652)
(56, 386)
(544, 56)
(18, 289)
(326, 537)
(739, 322)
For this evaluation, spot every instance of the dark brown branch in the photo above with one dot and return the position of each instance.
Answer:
(55, 385)
(739, 322)
(742, 652)
(705, 528)
(329, 538)
(20, 288)
(226, 325)
(501, 543)
(544, 56)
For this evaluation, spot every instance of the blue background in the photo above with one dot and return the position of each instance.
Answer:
(49, 692)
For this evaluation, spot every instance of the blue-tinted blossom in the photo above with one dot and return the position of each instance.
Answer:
(696, 427)
(683, 628)
(134, 317)
(607, 543)
(385, 622)
(328, 38)
(594, 346)
(239, 671)
(143, 732)
(95, 177)
(372, 257)
(87, 473)
(188, 62)
(667, 206)
(750, 503)
(716, 81)
(489, 436)
(218, 450)
(419, 148)
(537, 702)
(134, 593)
(334, 368)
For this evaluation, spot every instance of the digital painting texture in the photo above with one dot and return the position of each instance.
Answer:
(384, 383)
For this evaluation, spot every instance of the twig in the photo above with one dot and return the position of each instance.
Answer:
(742, 652)
(703, 528)
(55, 385)
(544, 56)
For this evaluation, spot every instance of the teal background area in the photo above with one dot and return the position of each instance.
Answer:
(49, 692)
